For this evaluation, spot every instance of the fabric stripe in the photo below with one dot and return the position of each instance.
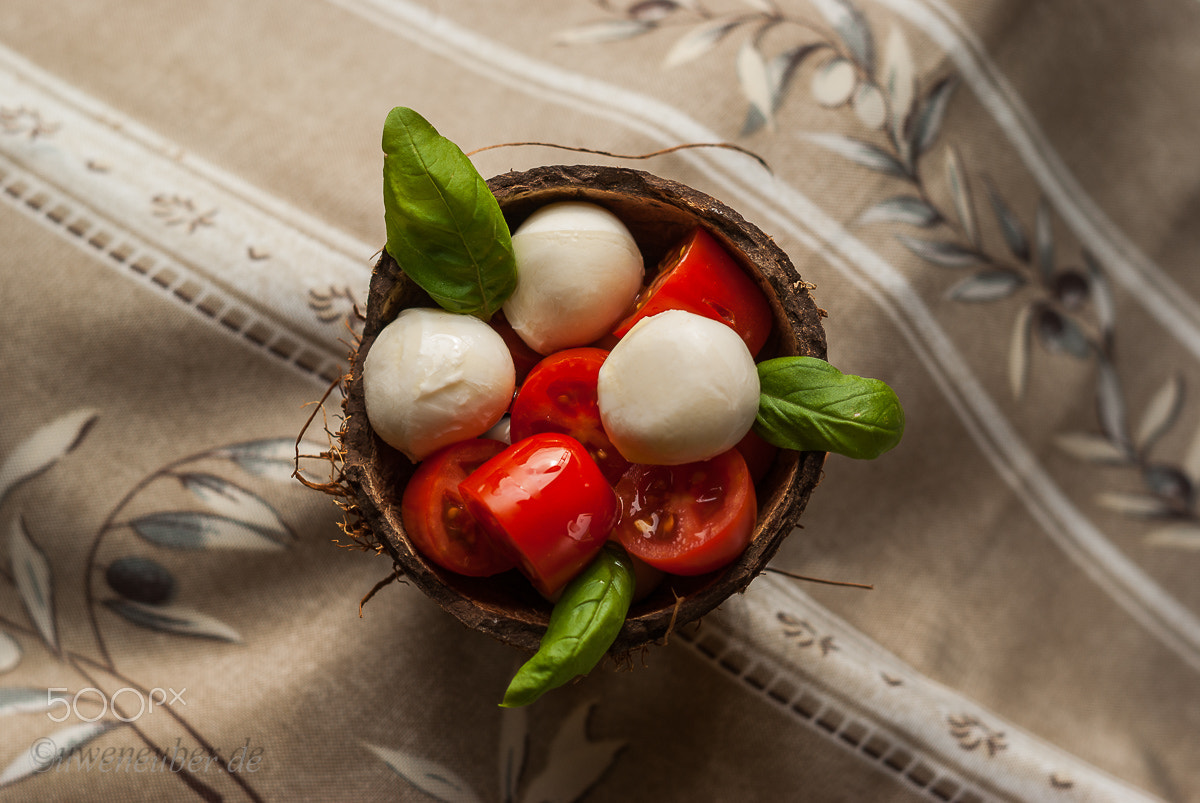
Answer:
(821, 670)
(238, 256)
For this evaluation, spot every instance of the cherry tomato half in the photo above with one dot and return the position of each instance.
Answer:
(559, 395)
(687, 519)
(701, 277)
(436, 520)
(545, 498)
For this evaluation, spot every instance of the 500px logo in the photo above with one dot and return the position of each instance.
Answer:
(60, 707)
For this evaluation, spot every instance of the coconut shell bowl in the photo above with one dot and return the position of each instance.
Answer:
(659, 213)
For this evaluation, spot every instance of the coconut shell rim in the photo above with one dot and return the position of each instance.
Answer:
(794, 476)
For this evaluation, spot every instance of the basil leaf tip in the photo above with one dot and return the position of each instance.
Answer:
(806, 404)
(583, 625)
(444, 227)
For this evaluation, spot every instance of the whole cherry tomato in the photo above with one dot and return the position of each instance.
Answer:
(436, 520)
(545, 498)
(758, 454)
(687, 519)
(701, 277)
(524, 358)
(559, 395)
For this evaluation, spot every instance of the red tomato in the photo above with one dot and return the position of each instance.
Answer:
(701, 277)
(758, 454)
(545, 498)
(524, 358)
(436, 520)
(687, 519)
(559, 395)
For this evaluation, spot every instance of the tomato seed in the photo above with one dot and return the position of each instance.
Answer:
(456, 520)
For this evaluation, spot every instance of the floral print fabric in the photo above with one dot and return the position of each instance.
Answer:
(993, 201)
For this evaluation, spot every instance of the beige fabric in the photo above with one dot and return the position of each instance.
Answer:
(191, 204)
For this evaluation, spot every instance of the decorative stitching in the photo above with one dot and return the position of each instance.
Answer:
(176, 210)
(823, 715)
(971, 732)
(26, 121)
(24, 192)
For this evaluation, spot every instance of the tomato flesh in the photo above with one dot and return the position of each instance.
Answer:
(545, 498)
(437, 521)
(688, 519)
(702, 277)
(559, 395)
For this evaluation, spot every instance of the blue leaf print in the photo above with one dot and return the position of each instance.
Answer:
(49, 751)
(10, 657)
(232, 501)
(173, 619)
(928, 122)
(852, 27)
(43, 448)
(902, 209)
(34, 582)
(943, 253)
(861, 153)
(192, 530)
(428, 776)
(1010, 225)
(988, 285)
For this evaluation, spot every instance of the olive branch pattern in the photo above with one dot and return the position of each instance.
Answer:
(128, 575)
(140, 589)
(574, 762)
(1062, 305)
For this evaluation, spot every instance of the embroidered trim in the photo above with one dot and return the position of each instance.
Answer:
(817, 710)
(92, 233)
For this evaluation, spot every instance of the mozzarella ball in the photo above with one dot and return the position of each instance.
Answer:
(500, 431)
(578, 273)
(677, 388)
(433, 377)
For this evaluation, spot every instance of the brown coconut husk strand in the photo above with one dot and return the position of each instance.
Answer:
(821, 580)
(629, 156)
(659, 213)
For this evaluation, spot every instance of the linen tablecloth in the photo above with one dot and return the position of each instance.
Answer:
(996, 203)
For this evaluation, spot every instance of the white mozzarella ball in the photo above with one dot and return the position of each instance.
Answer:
(501, 431)
(578, 272)
(677, 388)
(433, 377)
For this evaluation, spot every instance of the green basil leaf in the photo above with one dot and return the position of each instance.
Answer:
(444, 226)
(808, 405)
(583, 625)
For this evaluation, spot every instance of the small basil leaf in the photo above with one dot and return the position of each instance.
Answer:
(444, 226)
(583, 625)
(808, 405)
